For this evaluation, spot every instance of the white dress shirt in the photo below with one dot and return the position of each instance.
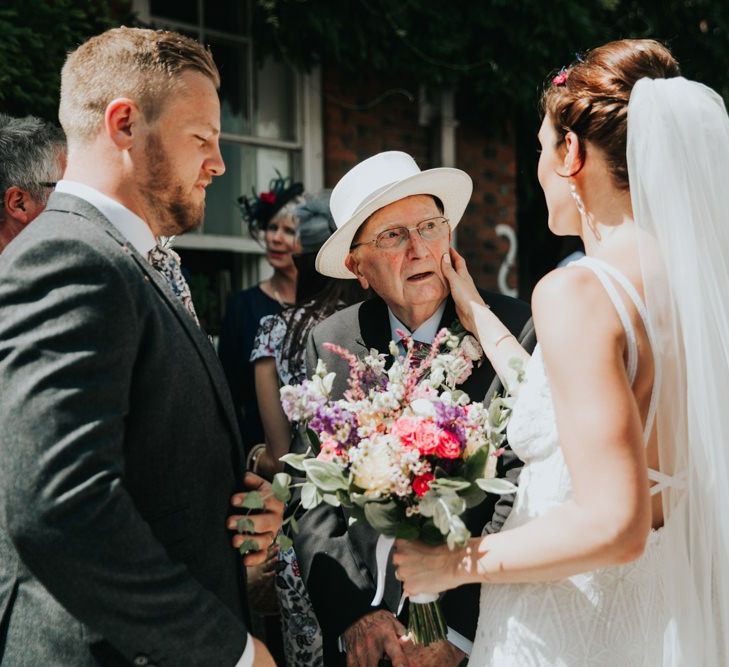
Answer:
(138, 233)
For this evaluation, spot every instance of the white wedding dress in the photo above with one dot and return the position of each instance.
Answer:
(612, 616)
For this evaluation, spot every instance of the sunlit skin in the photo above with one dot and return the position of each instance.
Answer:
(158, 169)
(408, 278)
(583, 349)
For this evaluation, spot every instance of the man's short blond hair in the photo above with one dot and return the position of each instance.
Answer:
(143, 65)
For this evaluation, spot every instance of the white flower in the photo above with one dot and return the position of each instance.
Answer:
(322, 386)
(372, 468)
(422, 407)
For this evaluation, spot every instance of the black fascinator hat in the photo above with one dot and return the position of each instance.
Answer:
(258, 209)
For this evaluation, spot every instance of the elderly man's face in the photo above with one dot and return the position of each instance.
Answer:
(409, 276)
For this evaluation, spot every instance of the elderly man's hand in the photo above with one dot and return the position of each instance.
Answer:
(463, 289)
(373, 636)
(264, 524)
(437, 654)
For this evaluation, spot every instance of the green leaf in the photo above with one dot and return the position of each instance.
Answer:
(327, 476)
(294, 523)
(476, 464)
(331, 499)
(248, 546)
(253, 501)
(473, 496)
(296, 461)
(407, 531)
(384, 517)
(280, 486)
(452, 483)
(496, 485)
(245, 525)
(284, 542)
(310, 496)
(313, 441)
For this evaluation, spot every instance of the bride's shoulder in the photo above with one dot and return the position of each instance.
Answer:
(572, 298)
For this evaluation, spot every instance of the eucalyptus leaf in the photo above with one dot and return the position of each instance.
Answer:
(384, 517)
(476, 464)
(453, 484)
(496, 485)
(473, 496)
(331, 499)
(296, 461)
(284, 542)
(310, 496)
(280, 486)
(327, 476)
(245, 525)
(253, 501)
(248, 546)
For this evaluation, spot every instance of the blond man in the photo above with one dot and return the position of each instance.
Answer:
(118, 439)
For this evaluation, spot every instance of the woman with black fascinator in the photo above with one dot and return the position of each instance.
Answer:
(271, 220)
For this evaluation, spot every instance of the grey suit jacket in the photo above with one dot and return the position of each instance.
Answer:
(337, 560)
(120, 451)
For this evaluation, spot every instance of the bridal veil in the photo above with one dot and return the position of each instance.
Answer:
(678, 165)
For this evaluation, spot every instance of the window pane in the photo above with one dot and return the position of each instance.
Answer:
(184, 11)
(246, 167)
(227, 15)
(274, 112)
(232, 61)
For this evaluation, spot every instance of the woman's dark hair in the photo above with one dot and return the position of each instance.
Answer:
(317, 297)
(590, 97)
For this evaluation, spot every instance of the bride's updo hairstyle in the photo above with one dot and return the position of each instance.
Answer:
(590, 97)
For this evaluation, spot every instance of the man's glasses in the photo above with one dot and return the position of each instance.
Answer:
(47, 184)
(431, 229)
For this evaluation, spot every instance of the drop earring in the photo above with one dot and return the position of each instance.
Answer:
(583, 212)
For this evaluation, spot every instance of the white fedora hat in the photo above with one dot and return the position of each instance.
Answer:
(376, 182)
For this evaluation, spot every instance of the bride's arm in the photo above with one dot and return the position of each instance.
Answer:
(498, 343)
(608, 518)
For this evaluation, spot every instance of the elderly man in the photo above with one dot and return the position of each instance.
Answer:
(394, 226)
(119, 444)
(32, 159)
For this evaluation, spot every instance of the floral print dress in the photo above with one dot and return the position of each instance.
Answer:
(301, 633)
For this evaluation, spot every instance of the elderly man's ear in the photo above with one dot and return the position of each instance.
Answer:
(20, 206)
(353, 265)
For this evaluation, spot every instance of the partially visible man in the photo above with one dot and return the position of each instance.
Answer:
(32, 159)
(394, 227)
(119, 443)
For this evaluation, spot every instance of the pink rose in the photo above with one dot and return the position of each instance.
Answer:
(416, 432)
(448, 446)
(421, 483)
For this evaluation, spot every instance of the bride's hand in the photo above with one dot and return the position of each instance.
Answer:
(425, 569)
(463, 289)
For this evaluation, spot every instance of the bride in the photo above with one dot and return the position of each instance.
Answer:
(616, 551)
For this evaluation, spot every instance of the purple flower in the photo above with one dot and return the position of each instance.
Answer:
(450, 418)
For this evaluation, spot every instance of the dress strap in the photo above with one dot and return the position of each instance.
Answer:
(601, 268)
(622, 311)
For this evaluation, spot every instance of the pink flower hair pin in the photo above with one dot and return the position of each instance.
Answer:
(561, 78)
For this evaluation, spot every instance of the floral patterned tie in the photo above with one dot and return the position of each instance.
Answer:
(167, 262)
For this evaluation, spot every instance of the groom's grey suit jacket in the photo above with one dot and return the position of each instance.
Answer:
(119, 451)
(337, 560)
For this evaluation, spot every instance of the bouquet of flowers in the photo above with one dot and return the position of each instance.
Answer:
(403, 449)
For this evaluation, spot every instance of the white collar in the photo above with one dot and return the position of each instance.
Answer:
(129, 224)
(425, 333)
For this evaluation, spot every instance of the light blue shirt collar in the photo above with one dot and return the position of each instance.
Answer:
(129, 224)
(425, 333)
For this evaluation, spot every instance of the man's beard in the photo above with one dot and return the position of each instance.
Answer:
(172, 211)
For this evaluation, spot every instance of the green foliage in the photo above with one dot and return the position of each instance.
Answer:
(496, 49)
(253, 501)
(36, 35)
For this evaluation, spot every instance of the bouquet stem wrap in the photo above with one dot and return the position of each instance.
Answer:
(426, 623)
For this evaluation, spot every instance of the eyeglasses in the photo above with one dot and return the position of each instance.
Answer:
(47, 184)
(431, 229)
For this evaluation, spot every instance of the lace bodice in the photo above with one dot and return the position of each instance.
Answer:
(604, 617)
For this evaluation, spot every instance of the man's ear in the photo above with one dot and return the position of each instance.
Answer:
(18, 205)
(573, 157)
(121, 121)
(353, 265)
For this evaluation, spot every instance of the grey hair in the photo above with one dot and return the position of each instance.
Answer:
(29, 155)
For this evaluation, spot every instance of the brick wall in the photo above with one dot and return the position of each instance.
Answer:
(366, 115)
